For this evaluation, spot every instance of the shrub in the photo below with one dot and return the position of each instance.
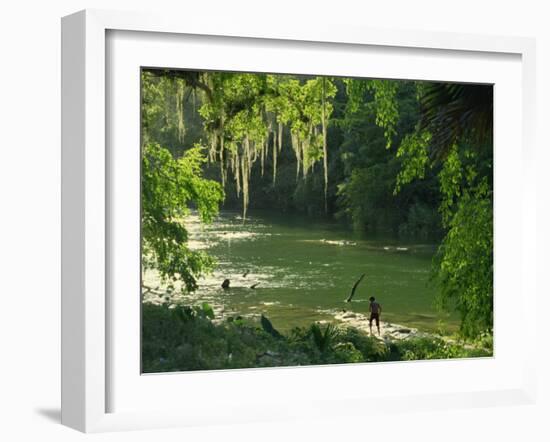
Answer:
(185, 338)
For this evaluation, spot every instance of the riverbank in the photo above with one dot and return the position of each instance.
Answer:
(183, 338)
(388, 331)
(359, 321)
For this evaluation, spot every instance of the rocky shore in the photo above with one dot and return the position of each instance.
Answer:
(388, 331)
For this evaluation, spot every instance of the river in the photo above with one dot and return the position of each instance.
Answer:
(304, 270)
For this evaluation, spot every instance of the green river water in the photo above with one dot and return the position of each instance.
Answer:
(305, 269)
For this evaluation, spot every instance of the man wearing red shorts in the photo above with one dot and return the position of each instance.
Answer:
(375, 309)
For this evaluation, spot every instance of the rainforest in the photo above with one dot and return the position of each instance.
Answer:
(304, 220)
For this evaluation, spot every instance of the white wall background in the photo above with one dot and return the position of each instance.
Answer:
(30, 215)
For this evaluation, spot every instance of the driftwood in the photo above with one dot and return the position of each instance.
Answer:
(354, 288)
(155, 291)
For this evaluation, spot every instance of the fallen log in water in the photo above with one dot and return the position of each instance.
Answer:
(354, 288)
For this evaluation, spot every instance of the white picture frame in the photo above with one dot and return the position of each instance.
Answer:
(87, 353)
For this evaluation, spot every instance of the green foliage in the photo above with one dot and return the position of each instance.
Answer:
(170, 343)
(169, 187)
(413, 152)
(371, 349)
(433, 348)
(386, 104)
(423, 222)
(454, 135)
(168, 112)
(186, 313)
(355, 92)
(454, 113)
(236, 99)
(366, 195)
(437, 184)
(247, 115)
(464, 268)
(324, 339)
(450, 179)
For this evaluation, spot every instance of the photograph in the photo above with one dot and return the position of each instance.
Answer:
(303, 220)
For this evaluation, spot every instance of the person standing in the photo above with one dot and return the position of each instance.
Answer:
(375, 310)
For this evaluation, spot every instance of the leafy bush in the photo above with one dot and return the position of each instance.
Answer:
(434, 348)
(185, 338)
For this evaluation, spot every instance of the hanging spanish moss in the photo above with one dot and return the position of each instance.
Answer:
(245, 178)
(223, 167)
(180, 91)
(213, 147)
(262, 157)
(297, 151)
(236, 171)
(246, 117)
(277, 147)
(280, 137)
(325, 150)
(274, 157)
(305, 156)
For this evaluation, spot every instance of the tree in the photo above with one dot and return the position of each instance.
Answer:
(464, 261)
(454, 135)
(169, 187)
(247, 119)
(454, 112)
(380, 114)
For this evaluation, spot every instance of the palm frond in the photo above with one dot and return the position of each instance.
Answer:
(453, 111)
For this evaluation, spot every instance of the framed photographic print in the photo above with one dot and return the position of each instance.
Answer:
(284, 223)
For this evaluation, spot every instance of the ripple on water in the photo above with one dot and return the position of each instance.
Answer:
(306, 273)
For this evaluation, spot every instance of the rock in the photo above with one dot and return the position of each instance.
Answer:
(225, 284)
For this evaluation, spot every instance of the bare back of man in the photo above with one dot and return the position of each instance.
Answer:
(375, 310)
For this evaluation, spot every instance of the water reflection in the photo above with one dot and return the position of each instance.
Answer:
(302, 272)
